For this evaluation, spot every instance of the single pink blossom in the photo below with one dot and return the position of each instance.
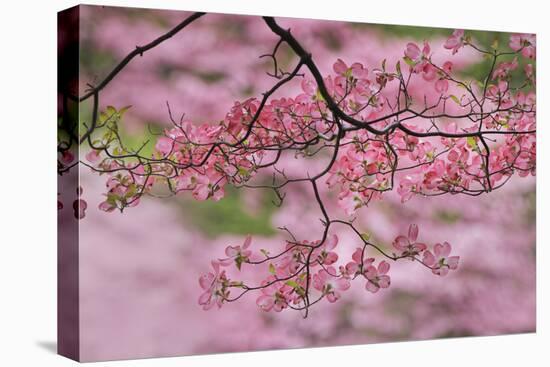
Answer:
(440, 261)
(455, 41)
(408, 246)
(377, 278)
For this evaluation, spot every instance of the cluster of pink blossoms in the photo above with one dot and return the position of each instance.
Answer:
(306, 272)
(365, 168)
(203, 159)
(439, 261)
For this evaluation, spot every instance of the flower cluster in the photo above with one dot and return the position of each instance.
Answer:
(304, 273)
(439, 261)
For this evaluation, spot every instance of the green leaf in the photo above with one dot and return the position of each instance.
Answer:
(112, 198)
(472, 142)
(319, 96)
(272, 268)
(123, 110)
(243, 172)
(365, 236)
(292, 284)
(132, 189)
(102, 117)
(409, 61)
(455, 98)
(110, 110)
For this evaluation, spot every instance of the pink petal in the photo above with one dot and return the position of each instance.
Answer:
(371, 272)
(232, 251)
(441, 86)
(67, 157)
(443, 271)
(92, 156)
(438, 250)
(333, 297)
(413, 232)
(265, 302)
(451, 43)
(331, 258)
(205, 281)
(215, 266)
(331, 242)
(205, 298)
(384, 281)
(308, 87)
(446, 249)
(342, 284)
(247, 241)
(412, 51)
(429, 258)
(351, 268)
(453, 262)
(383, 268)
(357, 255)
(106, 207)
(371, 287)
(400, 242)
(340, 67)
(226, 262)
(201, 192)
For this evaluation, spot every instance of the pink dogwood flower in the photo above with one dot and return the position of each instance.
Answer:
(237, 254)
(420, 59)
(377, 277)
(440, 261)
(330, 283)
(455, 41)
(408, 246)
(274, 296)
(324, 254)
(526, 43)
(214, 284)
(93, 156)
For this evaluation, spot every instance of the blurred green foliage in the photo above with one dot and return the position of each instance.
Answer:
(229, 214)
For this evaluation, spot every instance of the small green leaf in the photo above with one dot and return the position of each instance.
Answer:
(472, 143)
(292, 284)
(110, 110)
(455, 98)
(409, 61)
(272, 268)
(365, 236)
(132, 189)
(123, 110)
(319, 96)
(243, 172)
(112, 198)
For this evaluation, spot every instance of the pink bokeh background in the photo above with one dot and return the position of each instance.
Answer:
(139, 269)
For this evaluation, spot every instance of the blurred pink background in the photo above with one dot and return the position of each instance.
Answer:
(139, 269)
